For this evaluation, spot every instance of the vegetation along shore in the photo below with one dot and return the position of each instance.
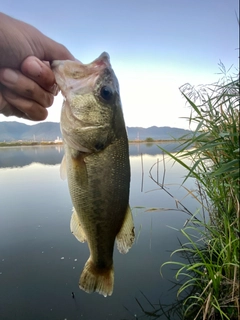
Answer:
(208, 276)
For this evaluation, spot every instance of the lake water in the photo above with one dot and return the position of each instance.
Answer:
(41, 261)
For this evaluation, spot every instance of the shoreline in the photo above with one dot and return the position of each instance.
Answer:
(52, 143)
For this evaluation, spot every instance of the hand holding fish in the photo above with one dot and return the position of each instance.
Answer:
(26, 93)
(27, 84)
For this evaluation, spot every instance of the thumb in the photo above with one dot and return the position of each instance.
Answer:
(53, 50)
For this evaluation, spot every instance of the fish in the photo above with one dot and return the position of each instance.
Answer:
(96, 165)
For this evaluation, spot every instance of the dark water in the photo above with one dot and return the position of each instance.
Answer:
(40, 260)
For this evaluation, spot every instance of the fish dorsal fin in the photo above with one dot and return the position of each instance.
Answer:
(76, 228)
(125, 236)
(63, 169)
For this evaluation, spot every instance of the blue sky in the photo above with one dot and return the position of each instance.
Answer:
(155, 47)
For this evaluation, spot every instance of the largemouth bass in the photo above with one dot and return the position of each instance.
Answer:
(97, 166)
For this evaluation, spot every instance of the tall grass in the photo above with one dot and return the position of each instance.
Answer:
(211, 274)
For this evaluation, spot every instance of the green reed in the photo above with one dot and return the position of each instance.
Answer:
(209, 279)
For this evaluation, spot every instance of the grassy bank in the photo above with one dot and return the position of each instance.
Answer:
(209, 280)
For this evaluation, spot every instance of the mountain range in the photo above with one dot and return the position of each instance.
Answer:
(50, 131)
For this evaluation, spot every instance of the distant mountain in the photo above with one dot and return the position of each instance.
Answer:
(45, 131)
(156, 133)
(50, 131)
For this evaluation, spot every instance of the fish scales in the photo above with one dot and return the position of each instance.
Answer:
(97, 165)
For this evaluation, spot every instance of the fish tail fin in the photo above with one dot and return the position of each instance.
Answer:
(95, 279)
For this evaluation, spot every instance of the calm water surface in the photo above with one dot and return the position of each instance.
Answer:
(40, 260)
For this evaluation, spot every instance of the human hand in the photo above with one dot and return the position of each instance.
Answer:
(27, 84)
(19, 40)
(28, 92)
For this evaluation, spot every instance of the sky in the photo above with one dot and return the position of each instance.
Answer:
(155, 46)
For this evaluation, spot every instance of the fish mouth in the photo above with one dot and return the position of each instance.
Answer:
(103, 60)
(75, 77)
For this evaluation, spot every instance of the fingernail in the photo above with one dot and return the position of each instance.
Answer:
(10, 76)
(54, 89)
(34, 69)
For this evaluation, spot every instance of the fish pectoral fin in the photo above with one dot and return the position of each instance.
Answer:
(63, 169)
(126, 235)
(76, 227)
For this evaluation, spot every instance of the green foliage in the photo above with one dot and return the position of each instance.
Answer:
(208, 276)
(149, 139)
(211, 274)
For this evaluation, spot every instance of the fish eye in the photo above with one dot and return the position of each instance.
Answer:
(106, 93)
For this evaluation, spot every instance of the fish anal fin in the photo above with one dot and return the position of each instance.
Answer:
(76, 227)
(126, 235)
(63, 169)
(95, 279)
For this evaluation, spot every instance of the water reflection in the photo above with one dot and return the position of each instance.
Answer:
(25, 155)
(136, 149)
(40, 260)
(22, 156)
